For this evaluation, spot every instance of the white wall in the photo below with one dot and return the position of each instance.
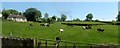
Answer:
(18, 19)
(21, 20)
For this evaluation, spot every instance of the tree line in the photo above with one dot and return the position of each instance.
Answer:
(33, 14)
(118, 17)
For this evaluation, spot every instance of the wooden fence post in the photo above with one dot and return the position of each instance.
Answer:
(39, 44)
(32, 42)
(65, 45)
(74, 46)
(46, 44)
(35, 42)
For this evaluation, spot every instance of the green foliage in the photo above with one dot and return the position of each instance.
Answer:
(6, 13)
(46, 15)
(46, 18)
(63, 17)
(96, 20)
(20, 13)
(89, 17)
(118, 17)
(77, 19)
(113, 22)
(43, 20)
(53, 19)
(49, 20)
(58, 19)
(32, 14)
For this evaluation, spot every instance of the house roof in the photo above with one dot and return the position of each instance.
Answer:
(16, 16)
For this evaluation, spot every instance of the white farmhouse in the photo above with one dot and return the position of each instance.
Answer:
(17, 18)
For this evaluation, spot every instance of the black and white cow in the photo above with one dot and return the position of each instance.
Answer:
(100, 29)
(46, 24)
(86, 27)
(42, 25)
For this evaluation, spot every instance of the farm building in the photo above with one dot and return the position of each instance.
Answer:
(17, 18)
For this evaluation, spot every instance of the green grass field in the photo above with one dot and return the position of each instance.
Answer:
(75, 34)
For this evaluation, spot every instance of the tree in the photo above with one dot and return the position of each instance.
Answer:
(49, 20)
(96, 20)
(54, 18)
(77, 19)
(32, 14)
(63, 17)
(58, 19)
(6, 13)
(74, 19)
(113, 22)
(89, 17)
(46, 15)
(42, 19)
(20, 13)
(118, 17)
(13, 11)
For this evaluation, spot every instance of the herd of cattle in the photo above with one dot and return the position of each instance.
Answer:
(84, 27)
(46, 24)
(89, 27)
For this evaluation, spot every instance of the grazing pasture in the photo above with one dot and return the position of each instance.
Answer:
(75, 34)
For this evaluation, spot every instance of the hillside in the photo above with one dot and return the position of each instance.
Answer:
(75, 34)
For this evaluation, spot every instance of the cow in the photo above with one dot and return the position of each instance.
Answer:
(46, 24)
(42, 25)
(61, 30)
(83, 27)
(100, 29)
(86, 27)
(30, 25)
